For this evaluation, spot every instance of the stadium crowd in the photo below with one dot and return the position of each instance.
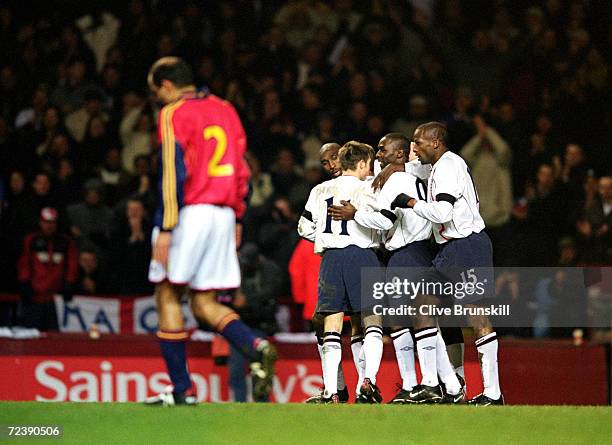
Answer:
(523, 87)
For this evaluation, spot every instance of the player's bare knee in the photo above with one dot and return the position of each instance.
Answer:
(166, 293)
(317, 324)
(333, 322)
(480, 323)
(202, 304)
(372, 320)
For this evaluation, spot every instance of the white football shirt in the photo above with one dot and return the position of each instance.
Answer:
(316, 225)
(402, 226)
(451, 176)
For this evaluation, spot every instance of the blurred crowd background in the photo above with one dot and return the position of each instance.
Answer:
(523, 86)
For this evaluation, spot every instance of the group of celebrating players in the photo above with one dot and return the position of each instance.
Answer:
(422, 189)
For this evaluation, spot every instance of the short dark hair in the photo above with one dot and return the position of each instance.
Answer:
(435, 130)
(352, 152)
(174, 69)
(402, 140)
(329, 146)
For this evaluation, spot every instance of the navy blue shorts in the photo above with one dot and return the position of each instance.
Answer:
(417, 254)
(340, 278)
(468, 260)
(411, 261)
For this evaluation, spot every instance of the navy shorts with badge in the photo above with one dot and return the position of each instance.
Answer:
(340, 278)
(469, 260)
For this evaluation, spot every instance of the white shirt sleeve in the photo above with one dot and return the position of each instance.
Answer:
(307, 225)
(439, 212)
(374, 219)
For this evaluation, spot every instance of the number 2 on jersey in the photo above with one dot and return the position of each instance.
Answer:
(214, 168)
(328, 221)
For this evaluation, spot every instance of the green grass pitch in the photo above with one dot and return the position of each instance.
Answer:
(237, 424)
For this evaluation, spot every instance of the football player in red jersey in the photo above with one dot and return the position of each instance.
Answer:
(203, 184)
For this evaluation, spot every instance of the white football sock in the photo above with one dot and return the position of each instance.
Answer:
(404, 354)
(332, 356)
(358, 358)
(372, 350)
(341, 383)
(460, 371)
(361, 374)
(426, 340)
(445, 369)
(320, 349)
(487, 346)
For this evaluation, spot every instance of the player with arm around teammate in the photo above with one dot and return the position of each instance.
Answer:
(345, 247)
(465, 252)
(407, 236)
(203, 183)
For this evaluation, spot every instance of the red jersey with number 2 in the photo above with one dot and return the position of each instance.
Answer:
(202, 157)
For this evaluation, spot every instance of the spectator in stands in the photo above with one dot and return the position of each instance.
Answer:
(285, 171)
(508, 126)
(67, 185)
(115, 179)
(489, 159)
(143, 184)
(9, 91)
(137, 135)
(545, 214)
(71, 92)
(59, 148)
(262, 190)
(459, 122)
(90, 218)
(91, 280)
(573, 173)
(52, 125)
(324, 132)
(595, 226)
(31, 118)
(260, 182)
(131, 249)
(14, 201)
(278, 237)
(98, 141)
(561, 299)
(298, 194)
(99, 30)
(47, 266)
(255, 302)
(418, 113)
(27, 212)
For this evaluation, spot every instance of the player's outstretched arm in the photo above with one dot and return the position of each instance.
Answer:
(439, 211)
(377, 220)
